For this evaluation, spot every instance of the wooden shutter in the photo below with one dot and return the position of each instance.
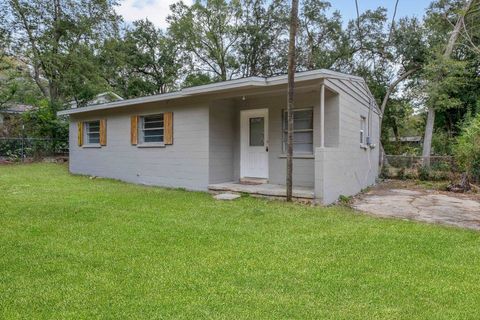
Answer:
(134, 130)
(103, 132)
(80, 133)
(168, 123)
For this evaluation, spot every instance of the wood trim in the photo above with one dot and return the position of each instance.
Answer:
(103, 132)
(134, 130)
(80, 133)
(168, 127)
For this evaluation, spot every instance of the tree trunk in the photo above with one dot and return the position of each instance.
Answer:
(427, 141)
(223, 70)
(390, 90)
(310, 51)
(394, 84)
(38, 81)
(53, 91)
(291, 90)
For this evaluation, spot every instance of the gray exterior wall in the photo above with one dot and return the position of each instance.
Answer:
(206, 148)
(224, 153)
(348, 168)
(332, 120)
(221, 141)
(303, 166)
(183, 164)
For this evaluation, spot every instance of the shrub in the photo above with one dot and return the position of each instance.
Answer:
(424, 173)
(441, 166)
(467, 149)
(436, 175)
(411, 174)
(385, 174)
(344, 200)
(442, 143)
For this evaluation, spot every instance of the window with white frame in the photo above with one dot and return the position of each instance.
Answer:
(152, 128)
(302, 130)
(363, 130)
(92, 132)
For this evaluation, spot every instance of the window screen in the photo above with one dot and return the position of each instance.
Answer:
(92, 130)
(302, 130)
(152, 129)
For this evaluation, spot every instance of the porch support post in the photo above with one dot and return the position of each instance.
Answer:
(322, 115)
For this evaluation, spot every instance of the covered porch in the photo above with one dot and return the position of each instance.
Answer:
(247, 134)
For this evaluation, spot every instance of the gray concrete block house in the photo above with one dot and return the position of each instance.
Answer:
(232, 135)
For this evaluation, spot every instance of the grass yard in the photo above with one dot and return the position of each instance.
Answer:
(75, 248)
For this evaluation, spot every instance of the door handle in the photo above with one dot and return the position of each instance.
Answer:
(266, 148)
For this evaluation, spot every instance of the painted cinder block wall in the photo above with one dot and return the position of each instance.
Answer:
(303, 166)
(348, 168)
(183, 164)
(224, 138)
(206, 144)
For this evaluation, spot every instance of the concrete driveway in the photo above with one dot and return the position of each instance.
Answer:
(392, 200)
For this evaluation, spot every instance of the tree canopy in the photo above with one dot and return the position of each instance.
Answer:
(70, 50)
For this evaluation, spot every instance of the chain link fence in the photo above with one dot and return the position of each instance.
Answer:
(31, 149)
(414, 167)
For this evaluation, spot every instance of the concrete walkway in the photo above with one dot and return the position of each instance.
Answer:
(266, 190)
(422, 205)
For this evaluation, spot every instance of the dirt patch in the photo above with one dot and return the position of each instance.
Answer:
(408, 200)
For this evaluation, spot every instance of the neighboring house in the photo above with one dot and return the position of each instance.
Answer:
(104, 97)
(9, 118)
(406, 145)
(234, 130)
(413, 140)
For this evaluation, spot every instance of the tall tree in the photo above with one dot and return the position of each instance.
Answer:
(207, 32)
(153, 56)
(144, 60)
(291, 93)
(408, 52)
(452, 40)
(367, 36)
(113, 66)
(322, 40)
(52, 36)
(15, 83)
(262, 28)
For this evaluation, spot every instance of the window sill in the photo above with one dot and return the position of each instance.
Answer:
(151, 145)
(92, 146)
(298, 156)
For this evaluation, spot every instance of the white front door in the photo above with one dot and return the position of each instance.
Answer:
(254, 143)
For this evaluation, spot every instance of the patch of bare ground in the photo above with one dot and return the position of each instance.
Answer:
(421, 201)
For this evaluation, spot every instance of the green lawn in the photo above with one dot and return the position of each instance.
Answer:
(76, 248)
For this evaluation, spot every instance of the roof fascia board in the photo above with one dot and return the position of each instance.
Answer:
(226, 85)
(123, 103)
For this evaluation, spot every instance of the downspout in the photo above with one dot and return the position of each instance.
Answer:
(322, 115)
(370, 121)
(369, 136)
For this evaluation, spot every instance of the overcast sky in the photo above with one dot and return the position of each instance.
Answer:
(155, 10)
(158, 10)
